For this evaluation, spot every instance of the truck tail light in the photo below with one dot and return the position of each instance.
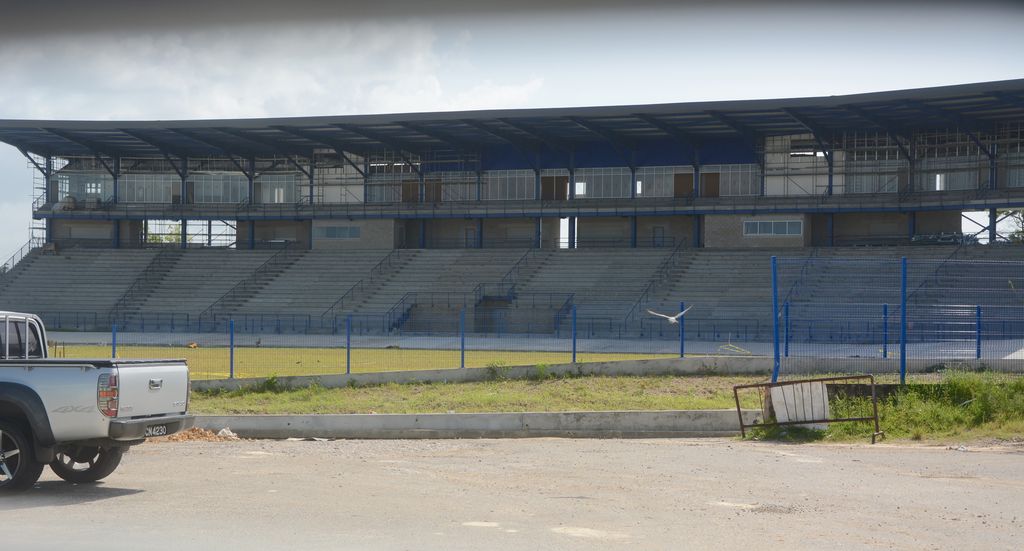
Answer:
(106, 394)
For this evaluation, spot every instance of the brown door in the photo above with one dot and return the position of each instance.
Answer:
(683, 185)
(433, 192)
(554, 188)
(709, 184)
(410, 191)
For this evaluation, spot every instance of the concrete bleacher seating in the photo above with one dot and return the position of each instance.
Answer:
(196, 280)
(729, 290)
(72, 281)
(312, 283)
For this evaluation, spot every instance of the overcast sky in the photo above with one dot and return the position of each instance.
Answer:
(192, 59)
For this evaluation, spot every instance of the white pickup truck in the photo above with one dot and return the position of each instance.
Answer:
(78, 416)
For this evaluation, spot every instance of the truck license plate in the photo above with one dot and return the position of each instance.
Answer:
(156, 430)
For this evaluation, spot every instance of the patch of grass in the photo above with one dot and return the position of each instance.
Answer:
(549, 394)
(962, 406)
(213, 362)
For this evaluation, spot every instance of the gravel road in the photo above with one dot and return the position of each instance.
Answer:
(531, 494)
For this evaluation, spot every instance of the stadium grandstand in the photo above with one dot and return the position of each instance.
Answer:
(511, 216)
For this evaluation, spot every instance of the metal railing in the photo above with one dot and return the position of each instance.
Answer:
(149, 273)
(8, 266)
(661, 274)
(278, 259)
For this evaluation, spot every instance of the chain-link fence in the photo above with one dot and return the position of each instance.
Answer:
(897, 317)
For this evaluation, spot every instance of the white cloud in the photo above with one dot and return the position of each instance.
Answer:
(247, 71)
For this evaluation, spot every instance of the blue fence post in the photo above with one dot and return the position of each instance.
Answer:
(903, 321)
(574, 334)
(885, 331)
(113, 341)
(977, 333)
(786, 310)
(231, 349)
(682, 331)
(775, 320)
(348, 344)
(462, 338)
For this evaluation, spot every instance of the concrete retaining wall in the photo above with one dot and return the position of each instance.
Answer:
(603, 424)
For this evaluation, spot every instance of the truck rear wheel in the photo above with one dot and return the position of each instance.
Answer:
(84, 464)
(19, 469)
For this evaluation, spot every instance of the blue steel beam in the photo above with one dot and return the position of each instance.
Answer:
(544, 137)
(443, 137)
(898, 133)
(386, 141)
(749, 135)
(270, 145)
(224, 149)
(818, 133)
(339, 147)
(163, 147)
(96, 148)
(624, 146)
(966, 125)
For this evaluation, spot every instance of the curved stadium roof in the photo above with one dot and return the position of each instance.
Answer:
(972, 107)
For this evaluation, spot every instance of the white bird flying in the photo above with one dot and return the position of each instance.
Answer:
(671, 319)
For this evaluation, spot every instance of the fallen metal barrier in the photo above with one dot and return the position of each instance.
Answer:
(804, 402)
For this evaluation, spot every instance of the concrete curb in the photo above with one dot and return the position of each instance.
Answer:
(580, 424)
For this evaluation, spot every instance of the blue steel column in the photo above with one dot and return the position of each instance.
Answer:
(697, 219)
(536, 232)
(682, 330)
(117, 179)
(696, 180)
(632, 231)
(537, 191)
(479, 233)
(830, 222)
(573, 333)
(462, 338)
(903, 320)
(184, 200)
(572, 232)
(312, 179)
(992, 234)
(423, 234)
(632, 182)
(348, 344)
(251, 177)
(117, 234)
(479, 185)
(423, 188)
(775, 320)
(231, 349)
(993, 170)
(977, 332)
(911, 224)
(252, 234)
(885, 331)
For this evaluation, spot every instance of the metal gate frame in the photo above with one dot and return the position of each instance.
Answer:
(768, 412)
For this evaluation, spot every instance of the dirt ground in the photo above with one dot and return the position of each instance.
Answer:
(532, 494)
